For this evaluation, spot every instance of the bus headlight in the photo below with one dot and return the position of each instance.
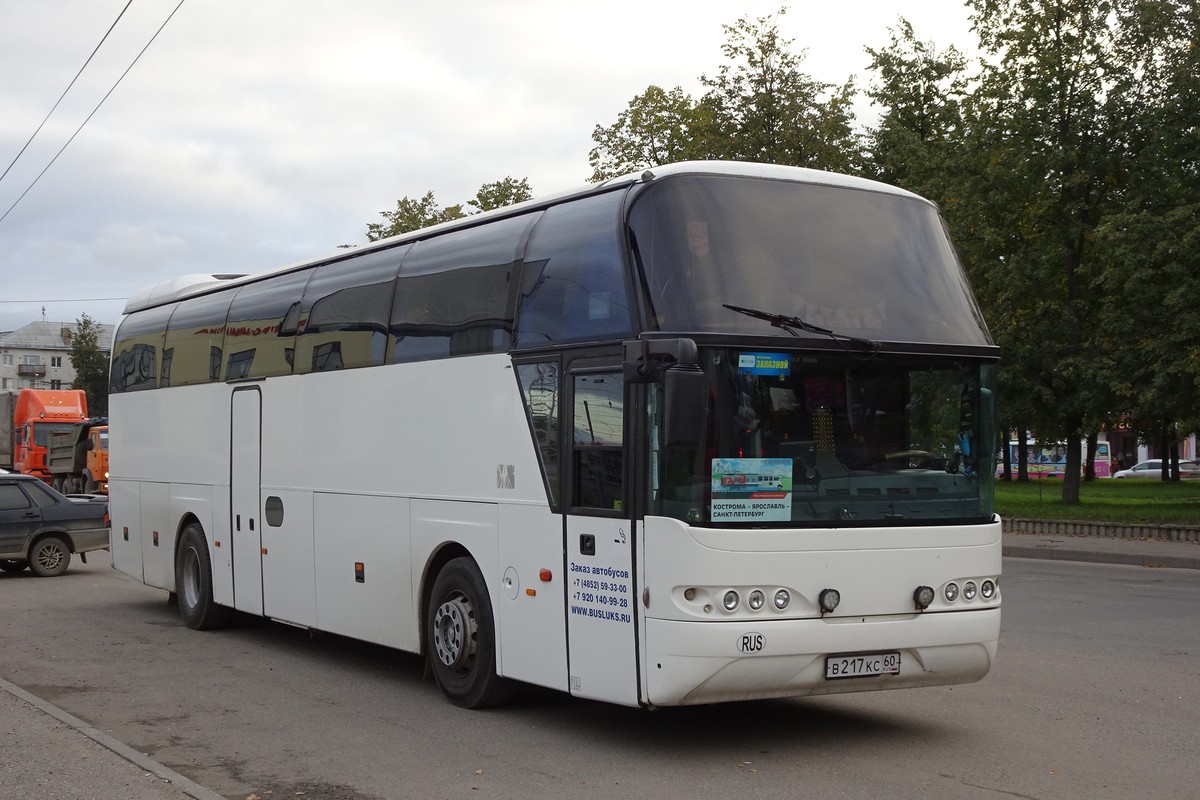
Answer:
(923, 597)
(988, 590)
(951, 592)
(782, 599)
(969, 590)
(731, 600)
(756, 600)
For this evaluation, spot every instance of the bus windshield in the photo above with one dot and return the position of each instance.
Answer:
(796, 438)
(873, 264)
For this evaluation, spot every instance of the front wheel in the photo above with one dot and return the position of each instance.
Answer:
(193, 582)
(49, 557)
(460, 638)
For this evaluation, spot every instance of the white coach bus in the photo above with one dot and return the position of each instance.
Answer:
(712, 432)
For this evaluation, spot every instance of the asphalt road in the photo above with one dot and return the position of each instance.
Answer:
(1096, 694)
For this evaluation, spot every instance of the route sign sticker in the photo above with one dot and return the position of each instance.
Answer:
(764, 364)
(751, 489)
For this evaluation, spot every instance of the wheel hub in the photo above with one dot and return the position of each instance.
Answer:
(50, 556)
(454, 634)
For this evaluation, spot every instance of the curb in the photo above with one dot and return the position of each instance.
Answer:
(140, 760)
(1107, 530)
(1061, 550)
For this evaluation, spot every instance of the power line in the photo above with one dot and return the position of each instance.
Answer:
(69, 85)
(67, 300)
(94, 110)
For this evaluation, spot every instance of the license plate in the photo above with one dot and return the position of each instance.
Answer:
(862, 665)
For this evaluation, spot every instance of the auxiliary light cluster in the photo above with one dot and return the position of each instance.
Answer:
(732, 600)
(971, 590)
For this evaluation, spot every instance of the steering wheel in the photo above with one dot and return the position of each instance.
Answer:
(917, 459)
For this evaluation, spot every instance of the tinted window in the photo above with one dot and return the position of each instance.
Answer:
(454, 293)
(41, 495)
(599, 421)
(858, 262)
(345, 311)
(573, 277)
(261, 332)
(12, 497)
(194, 338)
(136, 350)
(540, 389)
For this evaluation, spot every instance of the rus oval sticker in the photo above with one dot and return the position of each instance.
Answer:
(751, 643)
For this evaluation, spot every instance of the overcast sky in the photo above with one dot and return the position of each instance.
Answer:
(256, 133)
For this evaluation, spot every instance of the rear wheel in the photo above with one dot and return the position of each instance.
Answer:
(13, 564)
(49, 557)
(193, 582)
(460, 638)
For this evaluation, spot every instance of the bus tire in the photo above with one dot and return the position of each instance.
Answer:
(460, 635)
(193, 582)
(49, 557)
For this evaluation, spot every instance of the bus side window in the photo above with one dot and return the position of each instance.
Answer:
(453, 295)
(540, 391)
(194, 340)
(343, 320)
(573, 277)
(257, 336)
(136, 347)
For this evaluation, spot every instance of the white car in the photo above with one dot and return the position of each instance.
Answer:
(1153, 469)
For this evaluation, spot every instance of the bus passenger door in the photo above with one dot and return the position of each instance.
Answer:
(245, 474)
(602, 651)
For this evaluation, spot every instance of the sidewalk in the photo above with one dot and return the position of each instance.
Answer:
(48, 754)
(1103, 550)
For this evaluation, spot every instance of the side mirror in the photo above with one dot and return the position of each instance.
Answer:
(985, 439)
(675, 362)
(685, 406)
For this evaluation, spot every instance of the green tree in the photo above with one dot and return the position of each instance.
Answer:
(1151, 244)
(1046, 125)
(412, 215)
(919, 143)
(763, 107)
(918, 138)
(759, 106)
(658, 127)
(498, 194)
(90, 364)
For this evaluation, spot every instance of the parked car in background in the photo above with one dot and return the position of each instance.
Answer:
(40, 529)
(1153, 469)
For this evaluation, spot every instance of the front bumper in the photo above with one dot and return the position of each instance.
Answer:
(701, 662)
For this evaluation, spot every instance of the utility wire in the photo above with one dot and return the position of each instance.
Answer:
(94, 110)
(67, 300)
(69, 85)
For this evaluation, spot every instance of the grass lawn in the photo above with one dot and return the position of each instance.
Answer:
(1138, 501)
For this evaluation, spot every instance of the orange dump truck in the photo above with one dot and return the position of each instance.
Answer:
(77, 459)
(36, 414)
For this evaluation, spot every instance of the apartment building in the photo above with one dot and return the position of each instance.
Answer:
(38, 355)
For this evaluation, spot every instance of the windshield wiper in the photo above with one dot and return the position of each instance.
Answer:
(792, 324)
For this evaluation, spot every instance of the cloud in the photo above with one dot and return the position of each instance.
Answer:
(252, 135)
